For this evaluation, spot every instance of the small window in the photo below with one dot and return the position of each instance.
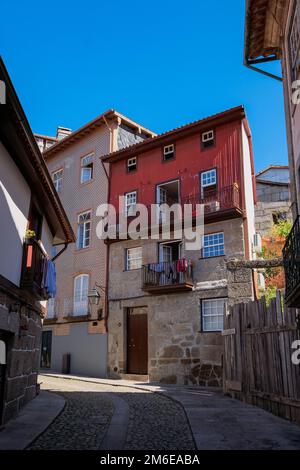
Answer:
(169, 152)
(130, 202)
(213, 314)
(207, 139)
(209, 179)
(57, 178)
(86, 168)
(131, 164)
(133, 258)
(213, 245)
(84, 230)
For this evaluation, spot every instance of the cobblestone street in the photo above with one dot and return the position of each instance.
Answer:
(143, 419)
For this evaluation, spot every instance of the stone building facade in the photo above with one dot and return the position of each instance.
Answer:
(72, 326)
(161, 328)
(273, 198)
(33, 220)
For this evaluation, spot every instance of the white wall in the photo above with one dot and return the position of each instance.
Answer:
(14, 208)
(248, 185)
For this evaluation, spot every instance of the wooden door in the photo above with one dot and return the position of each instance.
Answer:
(46, 349)
(137, 341)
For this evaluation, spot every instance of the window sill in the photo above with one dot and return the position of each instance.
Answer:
(86, 182)
(212, 257)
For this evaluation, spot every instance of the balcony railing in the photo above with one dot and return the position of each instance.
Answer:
(216, 200)
(168, 275)
(291, 259)
(75, 308)
(33, 268)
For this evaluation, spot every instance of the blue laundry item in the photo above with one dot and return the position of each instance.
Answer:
(157, 267)
(50, 282)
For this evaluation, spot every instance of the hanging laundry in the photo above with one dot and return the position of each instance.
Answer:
(182, 265)
(50, 281)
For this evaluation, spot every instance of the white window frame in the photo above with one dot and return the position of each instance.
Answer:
(134, 255)
(80, 304)
(58, 182)
(131, 164)
(84, 220)
(208, 136)
(211, 176)
(169, 151)
(129, 203)
(86, 163)
(209, 246)
(214, 326)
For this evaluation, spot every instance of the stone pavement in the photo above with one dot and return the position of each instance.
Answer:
(121, 415)
(217, 422)
(102, 416)
(32, 420)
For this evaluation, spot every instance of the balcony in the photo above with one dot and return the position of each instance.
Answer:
(75, 309)
(218, 204)
(291, 260)
(33, 266)
(167, 276)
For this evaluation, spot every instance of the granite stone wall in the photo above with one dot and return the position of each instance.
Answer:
(21, 328)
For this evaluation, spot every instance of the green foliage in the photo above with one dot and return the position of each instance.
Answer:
(29, 234)
(269, 293)
(282, 229)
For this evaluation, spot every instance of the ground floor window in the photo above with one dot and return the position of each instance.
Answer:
(212, 314)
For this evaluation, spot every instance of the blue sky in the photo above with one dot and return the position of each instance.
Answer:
(162, 63)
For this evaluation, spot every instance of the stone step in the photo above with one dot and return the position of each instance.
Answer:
(135, 377)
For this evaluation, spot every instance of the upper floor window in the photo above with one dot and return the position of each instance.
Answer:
(84, 230)
(130, 202)
(207, 139)
(81, 285)
(208, 180)
(86, 168)
(294, 43)
(213, 314)
(131, 164)
(169, 152)
(57, 178)
(134, 258)
(213, 245)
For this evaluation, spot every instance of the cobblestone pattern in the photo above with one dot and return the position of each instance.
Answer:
(82, 424)
(155, 422)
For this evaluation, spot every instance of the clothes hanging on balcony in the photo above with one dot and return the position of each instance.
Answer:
(157, 267)
(50, 278)
(181, 265)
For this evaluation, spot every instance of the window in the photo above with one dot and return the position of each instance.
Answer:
(169, 152)
(294, 44)
(133, 258)
(213, 314)
(209, 178)
(57, 178)
(84, 230)
(131, 164)
(213, 245)
(86, 168)
(81, 285)
(207, 139)
(130, 202)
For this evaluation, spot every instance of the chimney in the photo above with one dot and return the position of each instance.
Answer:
(62, 132)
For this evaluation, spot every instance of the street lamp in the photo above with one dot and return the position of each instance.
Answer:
(94, 296)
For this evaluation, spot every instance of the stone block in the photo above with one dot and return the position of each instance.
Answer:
(10, 410)
(172, 351)
(15, 388)
(30, 393)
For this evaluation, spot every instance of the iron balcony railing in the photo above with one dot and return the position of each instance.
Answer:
(291, 260)
(167, 273)
(216, 200)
